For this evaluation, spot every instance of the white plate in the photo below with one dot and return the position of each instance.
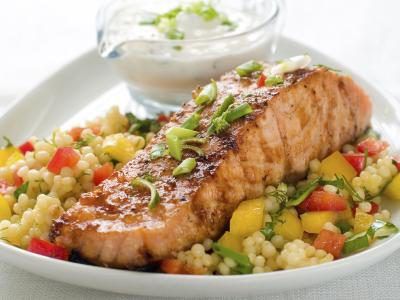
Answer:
(87, 86)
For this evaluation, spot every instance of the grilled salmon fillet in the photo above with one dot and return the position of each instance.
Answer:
(312, 114)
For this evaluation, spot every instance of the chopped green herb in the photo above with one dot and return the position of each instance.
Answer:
(154, 196)
(343, 225)
(202, 9)
(23, 188)
(158, 151)
(365, 159)
(274, 80)
(175, 34)
(142, 127)
(185, 167)
(268, 230)
(246, 69)
(208, 94)
(8, 142)
(302, 193)
(243, 263)
(177, 47)
(84, 142)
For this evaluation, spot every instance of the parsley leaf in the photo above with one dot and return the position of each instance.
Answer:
(21, 190)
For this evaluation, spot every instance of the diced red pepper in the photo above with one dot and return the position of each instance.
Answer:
(374, 208)
(357, 160)
(64, 157)
(3, 186)
(48, 249)
(17, 180)
(163, 118)
(261, 80)
(95, 129)
(330, 241)
(323, 201)
(102, 173)
(26, 147)
(75, 133)
(373, 146)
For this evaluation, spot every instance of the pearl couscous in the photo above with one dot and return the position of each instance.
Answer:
(334, 212)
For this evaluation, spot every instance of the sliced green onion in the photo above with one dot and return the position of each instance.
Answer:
(381, 229)
(208, 94)
(303, 193)
(223, 107)
(218, 125)
(192, 122)
(248, 68)
(174, 146)
(158, 151)
(198, 150)
(154, 196)
(274, 80)
(268, 230)
(343, 225)
(194, 141)
(356, 243)
(182, 133)
(185, 167)
(238, 112)
(175, 34)
(243, 263)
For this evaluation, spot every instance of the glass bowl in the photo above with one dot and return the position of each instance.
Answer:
(161, 73)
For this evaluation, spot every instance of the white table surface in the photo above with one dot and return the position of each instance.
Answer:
(38, 37)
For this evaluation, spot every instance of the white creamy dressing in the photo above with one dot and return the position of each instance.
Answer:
(167, 70)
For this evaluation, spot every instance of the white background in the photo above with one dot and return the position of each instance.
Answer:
(38, 37)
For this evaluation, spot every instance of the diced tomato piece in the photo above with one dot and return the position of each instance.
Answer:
(64, 157)
(373, 146)
(261, 80)
(323, 201)
(75, 133)
(17, 180)
(102, 173)
(330, 241)
(48, 249)
(163, 118)
(95, 129)
(3, 186)
(26, 147)
(357, 160)
(173, 266)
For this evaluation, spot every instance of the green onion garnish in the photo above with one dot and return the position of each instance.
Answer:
(174, 146)
(194, 140)
(154, 196)
(208, 94)
(174, 34)
(303, 193)
(185, 167)
(220, 110)
(222, 122)
(182, 133)
(248, 68)
(192, 122)
(198, 150)
(356, 243)
(158, 151)
(243, 263)
(274, 81)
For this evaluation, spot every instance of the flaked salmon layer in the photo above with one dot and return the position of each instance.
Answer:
(312, 114)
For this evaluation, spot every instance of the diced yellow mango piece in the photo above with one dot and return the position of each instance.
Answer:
(289, 226)
(231, 241)
(314, 221)
(13, 158)
(5, 211)
(248, 217)
(336, 164)
(392, 191)
(5, 153)
(122, 149)
(362, 221)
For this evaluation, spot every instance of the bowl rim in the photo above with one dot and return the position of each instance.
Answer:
(277, 10)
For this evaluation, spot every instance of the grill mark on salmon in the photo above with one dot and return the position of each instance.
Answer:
(311, 115)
